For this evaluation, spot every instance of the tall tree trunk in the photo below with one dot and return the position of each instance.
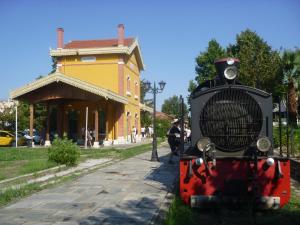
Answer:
(292, 107)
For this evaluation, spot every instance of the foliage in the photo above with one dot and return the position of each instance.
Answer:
(291, 72)
(180, 214)
(113, 153)
(191, 88)
(297, 51)
(7, 117)
(276, 140)
(162, 127)
(13, 194)
(19, 161)
(144, 90)
(64, 151)
(260, 66)
(205, 68)
(54, 64)
(146, 119)
(296, 144)
(171, 106)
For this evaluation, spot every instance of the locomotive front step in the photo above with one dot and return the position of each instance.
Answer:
(205, 201)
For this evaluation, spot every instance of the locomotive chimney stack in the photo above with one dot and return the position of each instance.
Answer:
(227, 69)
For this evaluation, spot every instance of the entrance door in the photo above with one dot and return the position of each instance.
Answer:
(53, 123)
(72, 125)
(102, 125)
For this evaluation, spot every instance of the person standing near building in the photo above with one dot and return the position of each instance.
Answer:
(143, 132)
(174, 139)
(150, 131)
(187, 132)
(133, 134)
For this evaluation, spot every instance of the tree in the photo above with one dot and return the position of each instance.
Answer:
(260, 66)
(146, 119)
(192, 86)
(297, 51)
(162, 127)
(143, 90)
(205, 67)
(291, 72)
(7, 117)
(54, 64)
(171, 106)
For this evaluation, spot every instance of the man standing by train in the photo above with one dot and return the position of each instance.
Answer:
(174, 139)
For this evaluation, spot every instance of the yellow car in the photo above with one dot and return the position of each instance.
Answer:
(9, 139)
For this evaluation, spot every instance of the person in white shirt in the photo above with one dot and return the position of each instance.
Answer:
(133, 134)
(187, 132)
(143, 132)
(150, 131)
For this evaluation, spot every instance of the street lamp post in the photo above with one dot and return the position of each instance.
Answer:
(154, 90)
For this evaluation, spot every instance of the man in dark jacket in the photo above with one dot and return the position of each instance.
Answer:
(174, 139)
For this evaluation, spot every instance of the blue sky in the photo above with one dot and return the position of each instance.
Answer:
(171, 33)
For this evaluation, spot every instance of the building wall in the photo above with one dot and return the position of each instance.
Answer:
(102, 70)
(132, 76)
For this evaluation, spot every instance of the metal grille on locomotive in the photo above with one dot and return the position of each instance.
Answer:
(232, 119)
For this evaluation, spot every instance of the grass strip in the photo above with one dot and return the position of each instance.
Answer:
(181, 214)
(14, 194)
(15, 162)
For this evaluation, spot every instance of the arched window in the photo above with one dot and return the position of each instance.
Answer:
(136, 90)
(128, 86)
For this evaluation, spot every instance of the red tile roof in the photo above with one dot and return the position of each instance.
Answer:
(97, 43)
(161, 115)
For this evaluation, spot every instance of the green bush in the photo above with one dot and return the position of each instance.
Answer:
(284, 138)
(276, 136)
(64, 151)
(162, 127)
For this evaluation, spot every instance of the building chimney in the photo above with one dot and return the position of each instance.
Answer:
(60, 38)
(120, 35)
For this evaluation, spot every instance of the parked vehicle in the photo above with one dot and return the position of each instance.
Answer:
(9, 139)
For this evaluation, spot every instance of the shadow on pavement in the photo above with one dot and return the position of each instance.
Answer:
(142, 205)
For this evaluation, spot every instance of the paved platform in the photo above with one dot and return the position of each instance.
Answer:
(132, 191)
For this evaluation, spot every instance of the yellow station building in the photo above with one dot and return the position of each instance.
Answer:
(97, 82)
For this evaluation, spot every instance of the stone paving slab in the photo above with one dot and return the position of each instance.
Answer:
(127, 192)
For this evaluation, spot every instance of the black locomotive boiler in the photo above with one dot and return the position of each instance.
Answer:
(231, 157)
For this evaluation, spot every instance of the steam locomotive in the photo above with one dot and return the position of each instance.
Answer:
(231, 158)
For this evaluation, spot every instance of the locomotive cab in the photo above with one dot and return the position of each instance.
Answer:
(231, 154)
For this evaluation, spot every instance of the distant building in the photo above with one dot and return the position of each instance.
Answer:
(101, 75)
(161, 115)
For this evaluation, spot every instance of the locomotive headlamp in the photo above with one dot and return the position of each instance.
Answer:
(230, 72)
(270, 161)
(263, 144)
(202, 143)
